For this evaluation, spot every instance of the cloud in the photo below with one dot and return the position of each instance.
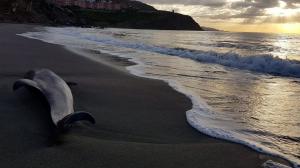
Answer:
(254, 11)
(242, 11)
(257, 4)
(292, 3)
(210, 3)
(283, 19)
(251, 12)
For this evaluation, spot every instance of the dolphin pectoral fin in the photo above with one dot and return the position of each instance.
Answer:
(74, 117)
(25, 82)
(70, 84)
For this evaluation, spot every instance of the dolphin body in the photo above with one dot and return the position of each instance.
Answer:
(58, 95)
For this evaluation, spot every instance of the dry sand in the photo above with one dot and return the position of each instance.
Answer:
(140, 122)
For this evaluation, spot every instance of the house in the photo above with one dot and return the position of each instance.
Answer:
(94, 4)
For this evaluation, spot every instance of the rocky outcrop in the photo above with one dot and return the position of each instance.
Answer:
(209, 29)
(139, 16)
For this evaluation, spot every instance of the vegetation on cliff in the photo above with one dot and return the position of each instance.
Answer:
(139, 16)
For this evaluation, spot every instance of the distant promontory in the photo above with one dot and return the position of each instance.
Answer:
(97, 13)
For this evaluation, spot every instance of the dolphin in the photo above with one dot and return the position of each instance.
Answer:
(57, 93)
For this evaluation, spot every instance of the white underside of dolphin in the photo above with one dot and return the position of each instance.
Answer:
(58, 95)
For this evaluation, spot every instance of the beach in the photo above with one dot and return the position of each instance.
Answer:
(140, 122)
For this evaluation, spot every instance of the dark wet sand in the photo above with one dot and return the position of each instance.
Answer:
(140, 122)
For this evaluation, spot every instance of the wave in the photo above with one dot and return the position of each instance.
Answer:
(247, 46)
(257, 63)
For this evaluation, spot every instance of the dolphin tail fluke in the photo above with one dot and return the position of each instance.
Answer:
(25, 82)
(74, 117)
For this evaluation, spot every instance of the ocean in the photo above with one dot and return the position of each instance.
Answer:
(245, 87)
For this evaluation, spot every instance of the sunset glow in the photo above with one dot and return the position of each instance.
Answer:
(242, 16)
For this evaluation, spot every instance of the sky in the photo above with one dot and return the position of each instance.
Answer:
(270, 16)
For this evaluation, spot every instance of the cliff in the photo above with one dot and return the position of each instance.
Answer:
(140, 20)
(139, 16)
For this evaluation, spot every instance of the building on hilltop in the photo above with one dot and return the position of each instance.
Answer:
(94, 4)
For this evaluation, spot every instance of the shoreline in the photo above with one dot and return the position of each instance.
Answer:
(133, 129)
(129, 65)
